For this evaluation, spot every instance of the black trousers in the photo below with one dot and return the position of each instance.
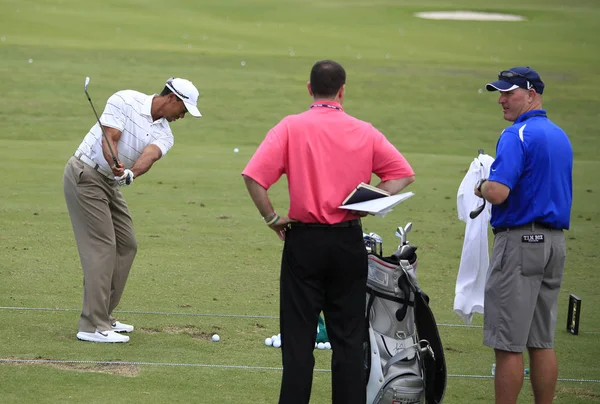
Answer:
(323, 269)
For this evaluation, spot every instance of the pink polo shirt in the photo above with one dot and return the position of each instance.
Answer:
(325, 153)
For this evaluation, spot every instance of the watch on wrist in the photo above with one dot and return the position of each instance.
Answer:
(480, 184)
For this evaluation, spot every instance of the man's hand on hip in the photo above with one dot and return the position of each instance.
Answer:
(281, 226)
(359, 213)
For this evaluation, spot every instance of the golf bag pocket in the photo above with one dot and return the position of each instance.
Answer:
(402, 389)
(390, 300)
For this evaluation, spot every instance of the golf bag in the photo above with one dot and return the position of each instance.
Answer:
(404, 357)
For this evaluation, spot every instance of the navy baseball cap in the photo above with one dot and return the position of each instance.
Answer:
(517, 77)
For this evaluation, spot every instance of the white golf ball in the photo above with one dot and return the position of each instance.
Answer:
(321, 345)
(236, 150)
(268, 341)
(274, 337)
(276, 343)
(327, 345)
(216, 338)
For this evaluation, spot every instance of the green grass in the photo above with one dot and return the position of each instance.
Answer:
(202, 246)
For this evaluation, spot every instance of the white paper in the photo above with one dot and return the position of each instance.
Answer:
(379, 206)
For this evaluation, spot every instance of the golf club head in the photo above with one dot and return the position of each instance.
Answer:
(368, 241)
(86, 84)
(400, 233)
(404, 231)
(477, 212)
(377, 242)
(376, 237)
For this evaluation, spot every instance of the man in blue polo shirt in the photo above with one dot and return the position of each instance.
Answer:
(530, 187)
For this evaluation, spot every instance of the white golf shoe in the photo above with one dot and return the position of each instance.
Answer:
(102, 336)
(117, 326)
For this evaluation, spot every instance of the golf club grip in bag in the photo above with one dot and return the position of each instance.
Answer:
(404, 357)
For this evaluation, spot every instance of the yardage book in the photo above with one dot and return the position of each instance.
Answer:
(378, 206)
(364, 192)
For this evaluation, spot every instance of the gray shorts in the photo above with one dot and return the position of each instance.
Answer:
(521, 292)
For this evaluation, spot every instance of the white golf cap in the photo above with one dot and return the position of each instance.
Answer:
(187, 92)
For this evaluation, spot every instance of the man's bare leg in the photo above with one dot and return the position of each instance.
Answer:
(509, 376)
(544, 373)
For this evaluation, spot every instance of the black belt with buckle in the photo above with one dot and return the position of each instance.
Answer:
(530, 226)
(349, 223)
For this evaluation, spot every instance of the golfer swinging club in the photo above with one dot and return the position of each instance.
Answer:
(130, 136)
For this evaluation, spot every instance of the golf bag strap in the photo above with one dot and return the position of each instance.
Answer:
(375, 293)
(369, 305)
(402, 354)
(367, 340)
(429, 373)
(434, 365)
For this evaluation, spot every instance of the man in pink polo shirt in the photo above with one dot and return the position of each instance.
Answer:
(325, 153)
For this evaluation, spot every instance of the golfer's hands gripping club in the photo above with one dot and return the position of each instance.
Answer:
(126, 178)
(118, 169)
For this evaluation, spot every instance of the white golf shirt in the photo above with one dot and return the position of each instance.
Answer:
(474, 260)
(130, 112)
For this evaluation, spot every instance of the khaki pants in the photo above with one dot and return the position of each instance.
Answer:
(104, 233)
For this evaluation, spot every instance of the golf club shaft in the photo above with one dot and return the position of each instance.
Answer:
(102, 129)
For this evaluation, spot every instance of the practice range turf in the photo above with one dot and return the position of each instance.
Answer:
(206, 262)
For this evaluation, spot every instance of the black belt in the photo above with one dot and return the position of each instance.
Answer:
(529, 226)
(349, 223)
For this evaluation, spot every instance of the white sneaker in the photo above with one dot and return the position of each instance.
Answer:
(102, 336)
(120, 327)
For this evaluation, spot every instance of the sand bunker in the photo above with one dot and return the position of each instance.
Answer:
(468, 16)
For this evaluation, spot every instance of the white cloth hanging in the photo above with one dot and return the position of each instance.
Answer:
(474, 260)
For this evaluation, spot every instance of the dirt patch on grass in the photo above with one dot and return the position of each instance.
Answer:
(116, 369)
(190, 330)
(147, 330)
(113, 369)
(579, 392)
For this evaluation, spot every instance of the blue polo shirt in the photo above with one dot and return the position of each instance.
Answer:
(534, 158)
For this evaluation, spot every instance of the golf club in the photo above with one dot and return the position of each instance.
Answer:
(474, 213)
(406, 230)
(400, 234)
(368, 242)
(85, 87)
(378, 241)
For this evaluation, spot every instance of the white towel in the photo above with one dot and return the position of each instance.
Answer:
(474, 260)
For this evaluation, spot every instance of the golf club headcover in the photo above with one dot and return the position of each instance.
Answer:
(126, 178)
(406, 252)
